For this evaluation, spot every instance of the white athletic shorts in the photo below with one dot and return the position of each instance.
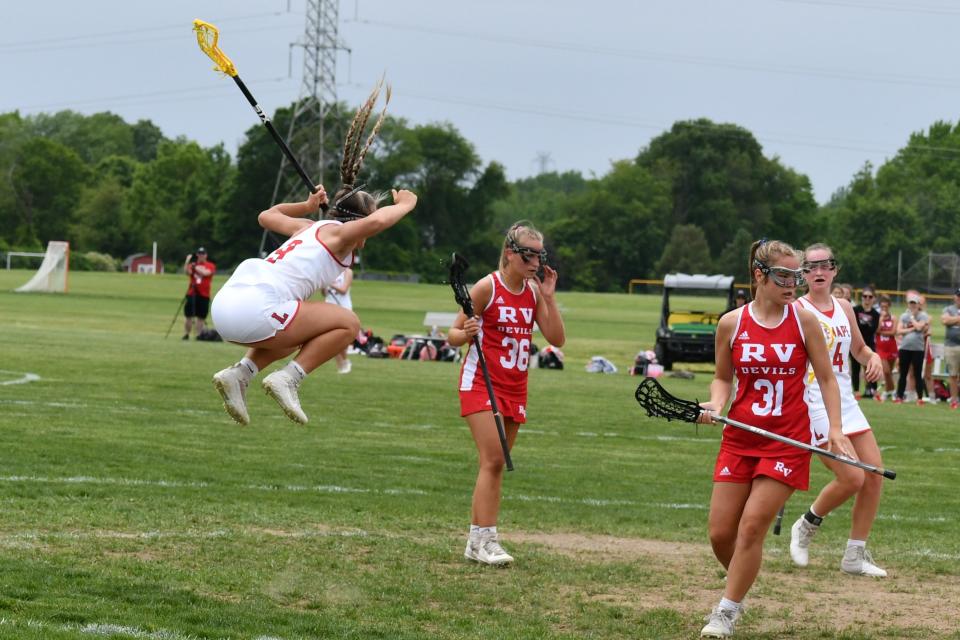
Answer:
(248, 313)
(852, 417)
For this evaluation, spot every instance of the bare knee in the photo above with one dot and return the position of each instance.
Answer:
(850, 479)
(722, 537)
(492, 464)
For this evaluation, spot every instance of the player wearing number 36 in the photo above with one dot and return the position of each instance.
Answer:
(265, 304)
(508, 301)
(766, 345)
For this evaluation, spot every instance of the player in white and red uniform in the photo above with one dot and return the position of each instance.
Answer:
(765, 346)
(508, 301)
(843, 338)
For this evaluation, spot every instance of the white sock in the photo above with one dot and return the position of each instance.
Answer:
(729, 605)
(296, 371)
(856, 543)
(249, 366)
(492, 530)
(474, 531)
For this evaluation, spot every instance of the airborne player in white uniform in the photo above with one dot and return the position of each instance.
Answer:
(265, 304)
(843, 339)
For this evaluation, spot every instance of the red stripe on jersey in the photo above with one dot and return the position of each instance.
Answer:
(769, 364)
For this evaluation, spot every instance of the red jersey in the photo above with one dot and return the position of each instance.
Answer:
(506, 327)
(886, 346)
(200, 285)
(769, 364)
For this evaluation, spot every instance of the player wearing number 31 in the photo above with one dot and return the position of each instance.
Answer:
(767, 345)
(265, 304)
(508, 301)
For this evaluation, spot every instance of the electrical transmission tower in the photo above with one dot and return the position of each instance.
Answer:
(312, 129)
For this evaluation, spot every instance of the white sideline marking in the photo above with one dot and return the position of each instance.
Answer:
(25, 377)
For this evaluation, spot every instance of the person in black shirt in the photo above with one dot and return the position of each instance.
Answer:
(868, 319)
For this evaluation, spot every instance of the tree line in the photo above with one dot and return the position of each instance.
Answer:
(692, 200)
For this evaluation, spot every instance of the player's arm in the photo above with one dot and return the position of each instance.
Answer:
(288, 218)
(347, 281)
(873, 367)
(463, 328)
(340, 238)
(548, 314)
(722, 383)
(816, 346)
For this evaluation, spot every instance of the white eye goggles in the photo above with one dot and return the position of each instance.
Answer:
(825, 265)
(781, 276)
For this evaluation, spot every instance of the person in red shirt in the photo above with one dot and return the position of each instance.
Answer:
(200, 271)
(508, 302)
(766, 345)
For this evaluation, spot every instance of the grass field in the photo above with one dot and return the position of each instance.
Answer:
(133, 507)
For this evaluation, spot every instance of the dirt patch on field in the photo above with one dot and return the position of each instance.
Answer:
(685, 577)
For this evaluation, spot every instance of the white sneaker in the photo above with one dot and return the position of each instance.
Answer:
(859, 562)
(232, 386)
(470, 553)
(801, 533)
(281, 386)
(489, 551)
(345, 367)
(720, 623)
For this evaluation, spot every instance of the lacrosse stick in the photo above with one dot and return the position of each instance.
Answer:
(660, 404)
(778, 522)
(458, 267)
(207, 36)
(176, 315)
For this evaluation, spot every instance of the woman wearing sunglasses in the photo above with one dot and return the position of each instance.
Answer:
(843, 340)
(868, 319)
(765, 346)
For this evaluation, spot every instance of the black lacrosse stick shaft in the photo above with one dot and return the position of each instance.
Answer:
(458, 267)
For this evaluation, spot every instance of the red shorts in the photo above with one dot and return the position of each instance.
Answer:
(514, 409)
(792, 470)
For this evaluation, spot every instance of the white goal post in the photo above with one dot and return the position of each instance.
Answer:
(52, 274)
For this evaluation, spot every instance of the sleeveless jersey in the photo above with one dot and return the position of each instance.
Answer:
(297, 269)
(769, 364)
(837, 333)
(506, 328)
(886, 345)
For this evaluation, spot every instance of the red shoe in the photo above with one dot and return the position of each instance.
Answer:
(878, 397)
(954, 404)
(919, 402)
(898, 401)
(857, 397)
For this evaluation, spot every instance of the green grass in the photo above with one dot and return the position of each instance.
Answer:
(132, 507)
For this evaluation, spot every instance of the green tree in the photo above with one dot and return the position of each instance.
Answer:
(687, 251)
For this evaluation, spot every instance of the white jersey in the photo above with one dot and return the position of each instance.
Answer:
(839, 336)
(335, 297)
(302, 265)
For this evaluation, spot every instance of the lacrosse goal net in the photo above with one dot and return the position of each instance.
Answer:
(52, 274)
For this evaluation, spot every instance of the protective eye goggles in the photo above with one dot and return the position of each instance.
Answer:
(781, 276)
(526, 253)
(824, 265)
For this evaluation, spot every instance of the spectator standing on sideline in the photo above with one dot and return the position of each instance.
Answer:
(951, 346)
(846, 292)
(740, 299)
(200, 271)
(868, 319)
(886, 348)
(338, 293)
(927, 358)
(911, 327)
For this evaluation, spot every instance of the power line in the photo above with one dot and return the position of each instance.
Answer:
(878, 6)
(837, 74)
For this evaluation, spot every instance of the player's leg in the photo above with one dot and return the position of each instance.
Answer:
(320, 331)
(483, 544)
(856, 560)
(726, 508)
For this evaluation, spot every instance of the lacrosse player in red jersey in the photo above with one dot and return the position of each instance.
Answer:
(766, 345)
(265, 304)
(842, 335)
(508, 301)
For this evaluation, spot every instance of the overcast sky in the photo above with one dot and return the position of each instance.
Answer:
(825, 85)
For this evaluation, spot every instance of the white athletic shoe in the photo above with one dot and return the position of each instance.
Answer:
(281, 386)
(801, 533)
(489, 551)
(720, 623)
(859, 562)
(345, 367)
(470, 553)
(232, 386)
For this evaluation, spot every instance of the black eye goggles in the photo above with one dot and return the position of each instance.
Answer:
(781, 276)
(526, 253)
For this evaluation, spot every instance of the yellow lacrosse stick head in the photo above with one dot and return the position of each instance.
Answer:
(207, 36)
